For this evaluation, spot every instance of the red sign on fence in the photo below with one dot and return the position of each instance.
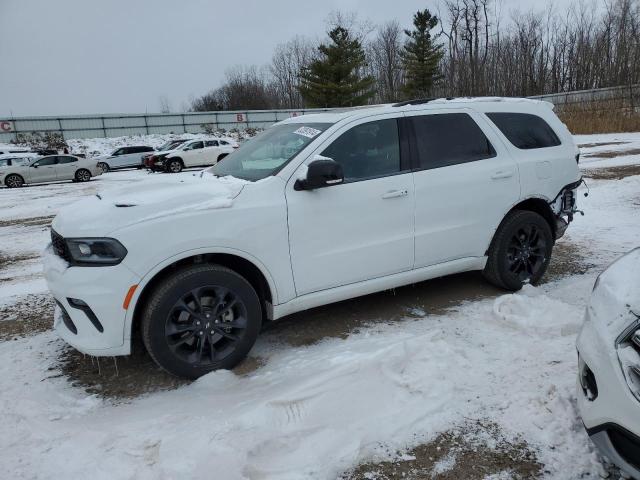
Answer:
(6, 126)
(239, 117)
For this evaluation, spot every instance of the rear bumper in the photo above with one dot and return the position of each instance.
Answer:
(564, 207)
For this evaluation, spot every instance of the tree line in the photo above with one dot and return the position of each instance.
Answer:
(467, 47)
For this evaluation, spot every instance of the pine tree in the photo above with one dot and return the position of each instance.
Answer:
(421, 56)
(334, 80)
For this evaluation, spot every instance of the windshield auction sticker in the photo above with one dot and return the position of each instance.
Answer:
(307, 132)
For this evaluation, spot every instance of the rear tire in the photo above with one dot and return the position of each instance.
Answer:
(174, 166)
(200, 319)
(82, 175)
(520, 250)
(14, 181)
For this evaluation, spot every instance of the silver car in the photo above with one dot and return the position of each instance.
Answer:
(123, 157)
(51, 168)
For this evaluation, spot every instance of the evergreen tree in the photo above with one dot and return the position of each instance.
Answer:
(421, 56)
(334, 80)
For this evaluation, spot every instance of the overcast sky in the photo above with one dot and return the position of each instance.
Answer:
(92, 56)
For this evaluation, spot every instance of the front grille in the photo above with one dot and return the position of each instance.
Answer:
(59, 245)
(626, 444)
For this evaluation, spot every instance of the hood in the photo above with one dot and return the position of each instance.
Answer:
(165, 152)
(150, 199)
(615, 301)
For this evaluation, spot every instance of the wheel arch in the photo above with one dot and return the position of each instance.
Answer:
(249, 268)
(532, 204)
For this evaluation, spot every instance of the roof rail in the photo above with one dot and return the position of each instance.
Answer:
(418, 101)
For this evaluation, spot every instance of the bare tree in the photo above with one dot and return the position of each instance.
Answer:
(385, 62)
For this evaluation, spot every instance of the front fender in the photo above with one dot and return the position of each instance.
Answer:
(159, 267)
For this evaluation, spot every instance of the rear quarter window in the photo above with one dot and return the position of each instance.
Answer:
(524, 130)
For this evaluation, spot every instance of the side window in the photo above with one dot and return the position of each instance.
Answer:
(145, 149)
(64, 159)
(524, 130)
(211, 143)
(449, 139)
(5, 162)
(222, 142)
(367, 150)
(46, 161)
(195, 146)
(119, 151)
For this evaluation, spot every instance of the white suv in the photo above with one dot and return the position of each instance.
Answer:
(194, 153)
(314, 210)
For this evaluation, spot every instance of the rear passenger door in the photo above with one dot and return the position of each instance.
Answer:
(465, 182)
(212, 151)
(66, 167)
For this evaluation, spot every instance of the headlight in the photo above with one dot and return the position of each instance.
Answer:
(95, 251)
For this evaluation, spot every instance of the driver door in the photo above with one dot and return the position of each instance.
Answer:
(363, 228)
(44, 170)
(192, 154)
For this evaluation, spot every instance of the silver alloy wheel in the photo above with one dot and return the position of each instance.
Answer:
(104, 167)
(14, 181)
(83, 175)
(175, 166)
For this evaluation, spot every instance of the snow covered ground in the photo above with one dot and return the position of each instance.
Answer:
(314, 411)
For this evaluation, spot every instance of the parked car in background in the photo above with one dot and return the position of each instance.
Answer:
(316, 209)
(15, 159)
(169, 145)
(609, 364)
(193, 153)
(123, 157)
(52, 168)
(6, 149)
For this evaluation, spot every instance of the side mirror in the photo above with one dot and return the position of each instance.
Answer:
(321, 172)
(35, 165)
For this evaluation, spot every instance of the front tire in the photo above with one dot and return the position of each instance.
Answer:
(14, 181)
(520, 250)
(105, 167)
(200, 319)
(82, 175)
(174, 166)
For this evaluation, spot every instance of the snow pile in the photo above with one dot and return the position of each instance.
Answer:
(312, 411)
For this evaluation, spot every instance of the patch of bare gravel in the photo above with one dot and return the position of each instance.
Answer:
(474, 452)
(124, 378)
(599, 144)
(612, 173)
(27, 316)
(27, 222)
(613, 153)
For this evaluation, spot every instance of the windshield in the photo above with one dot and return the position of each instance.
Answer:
(168, 145)
(266, 153)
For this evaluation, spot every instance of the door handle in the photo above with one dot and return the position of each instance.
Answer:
(395, 194)
(502, 174)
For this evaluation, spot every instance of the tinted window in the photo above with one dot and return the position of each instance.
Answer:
(524, 130)
(5, 163)
(195, 146)
(67, 160)
(145, 149)
(119, 151)
(222, 142)
(46, 161)
(211, 143)
(368, 150)
(449, 139)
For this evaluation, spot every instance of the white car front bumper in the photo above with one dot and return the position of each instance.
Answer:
(89, 313)
(609, 409)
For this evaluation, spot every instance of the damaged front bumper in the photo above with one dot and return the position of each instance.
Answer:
(565, 206)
